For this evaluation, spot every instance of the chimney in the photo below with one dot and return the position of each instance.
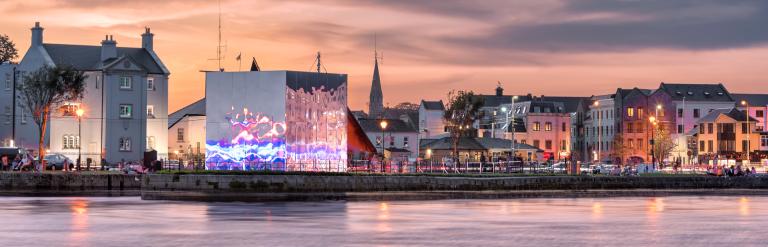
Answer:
(37, 35)
(108, 48)
(146, 39)
(499, 91)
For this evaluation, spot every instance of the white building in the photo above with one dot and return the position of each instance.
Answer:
(431, 124)
(398, 134)
(186, 132)
(601, 127)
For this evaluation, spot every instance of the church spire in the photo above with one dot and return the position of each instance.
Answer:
(376, 103)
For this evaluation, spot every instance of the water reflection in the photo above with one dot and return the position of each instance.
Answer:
(659, 221)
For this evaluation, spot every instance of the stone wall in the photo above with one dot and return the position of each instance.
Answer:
(301, 183)
(67, 183)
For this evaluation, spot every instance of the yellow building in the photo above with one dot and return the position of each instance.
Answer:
(726, 134)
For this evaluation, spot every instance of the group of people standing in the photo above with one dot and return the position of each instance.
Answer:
(732, 171)
(22, 162)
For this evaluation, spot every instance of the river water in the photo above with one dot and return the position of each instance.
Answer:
(630, 221)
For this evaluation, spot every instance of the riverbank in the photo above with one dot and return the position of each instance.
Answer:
(69, 184)
(314, 187)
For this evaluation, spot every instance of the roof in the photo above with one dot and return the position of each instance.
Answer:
(498, 143)
(733, 113)
(696, 92)
(393, 125)
(194, 109)
(570, 103)
(446, 143)
(433, 105)
(398, 150)
(88, 57)
(752, 99)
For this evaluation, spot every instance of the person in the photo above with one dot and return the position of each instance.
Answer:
(16, 162)
(26, 163)
(5, 164)
(754, 172)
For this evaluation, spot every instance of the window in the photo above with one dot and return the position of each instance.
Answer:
(70, 142)
(125, 144)
(180, 136)
(631, 143)
(150, 142)
(7, 115)
(661, 112)
(629, 128)
(563, 145)
(759, 113)
(710, 128)
(639, 128)
(744, 145)
(696, 113)
(391, 141)
(536, 126)
(679, 128)
(150, 111)
(126, 111)
(8, 82)
(710, 143)
(679, 112)
(764, 141)
(150, 84)
(640, 144)
(125, 82)
(548, 144)
(548, 126)
(563, 127)
(702, 130)
(23, 116)
(640, 113)
(405, 141)
(744, 128)
(701, 146)
(98, 78)
(630, 112)
(536, 143)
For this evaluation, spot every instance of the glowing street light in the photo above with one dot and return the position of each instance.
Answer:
(383, 124)
(749, 129)
(79, 112)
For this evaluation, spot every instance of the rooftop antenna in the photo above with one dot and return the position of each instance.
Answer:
(219, 55)
(318, 62)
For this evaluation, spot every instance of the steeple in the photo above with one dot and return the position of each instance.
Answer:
(376, 103)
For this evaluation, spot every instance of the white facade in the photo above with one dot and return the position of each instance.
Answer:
(431, 124)
(187, 137)
(601, 127)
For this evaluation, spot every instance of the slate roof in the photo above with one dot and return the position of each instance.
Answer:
(732, 113)
(468, 143)
(498, 143)
(88, 57)
(194, 109)
(570, 103)
(753, 99)
(393, 125)
(697, 92)
(433, 105)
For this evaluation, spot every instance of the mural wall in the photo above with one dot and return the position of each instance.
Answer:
(277, 120)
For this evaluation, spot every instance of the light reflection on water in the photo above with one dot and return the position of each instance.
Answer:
(631, 221)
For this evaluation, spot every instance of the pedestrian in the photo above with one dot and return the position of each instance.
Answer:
(5, 164)
(16, 162)
(754, 172)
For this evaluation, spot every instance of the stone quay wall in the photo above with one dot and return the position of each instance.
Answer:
(34, 183)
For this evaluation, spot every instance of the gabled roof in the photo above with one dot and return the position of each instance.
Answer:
(697, 92)
(498, 143)
(446, 143)
(433, 105)
(88, 57)
(194, 109)
(393, 125)
(732, 113)
(752, 99)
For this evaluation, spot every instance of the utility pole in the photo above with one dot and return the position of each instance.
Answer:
(13, 105)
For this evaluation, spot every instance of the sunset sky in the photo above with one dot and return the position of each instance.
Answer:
(551, 47)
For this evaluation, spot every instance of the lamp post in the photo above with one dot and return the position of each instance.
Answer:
(79, 113)
(599, 132)
(749, 129)
(512, 124)
(383, 125)
(652, 119)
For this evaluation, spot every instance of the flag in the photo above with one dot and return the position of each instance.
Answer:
(238, 56)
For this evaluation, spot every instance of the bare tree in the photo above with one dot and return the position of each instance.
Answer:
(621, 149)
(462, 110)
(8, 50)
(46, 88)
(663, 144)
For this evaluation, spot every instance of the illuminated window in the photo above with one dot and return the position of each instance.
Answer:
(536, 126)
(630, 112)
(150, 111)
(548, 126)
(126, 111)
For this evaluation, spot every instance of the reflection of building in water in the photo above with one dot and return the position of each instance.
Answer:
(285, 120)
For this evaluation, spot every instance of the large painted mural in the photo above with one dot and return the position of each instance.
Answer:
(279, 120)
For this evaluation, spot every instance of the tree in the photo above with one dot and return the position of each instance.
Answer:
(47, 88)
(8, 50)
(462, 110)
(407, 106)
(621, 149)
(663, 144)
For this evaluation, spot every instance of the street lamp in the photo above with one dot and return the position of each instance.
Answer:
(599, 132)
(383, 124)
(512, 124)
(652, 119)
(749, 128)
(79, 113)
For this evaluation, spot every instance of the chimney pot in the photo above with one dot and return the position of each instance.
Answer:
(147, 39)
(37, 35)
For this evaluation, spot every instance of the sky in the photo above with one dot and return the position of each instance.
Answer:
(542, 47)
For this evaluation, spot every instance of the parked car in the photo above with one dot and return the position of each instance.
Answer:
(56, 161)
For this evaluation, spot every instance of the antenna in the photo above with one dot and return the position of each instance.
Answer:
(219, 55)
(318, 62)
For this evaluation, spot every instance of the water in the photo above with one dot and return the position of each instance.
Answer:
(635, 221)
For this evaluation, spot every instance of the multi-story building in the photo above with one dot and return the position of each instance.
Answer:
(631, 125)
(726, 134)
(431, 123)
(125, 101)
(601, 127)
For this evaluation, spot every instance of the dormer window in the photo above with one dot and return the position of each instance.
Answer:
(690, 93)
(720, 93)
(679, 93)
(706, 93)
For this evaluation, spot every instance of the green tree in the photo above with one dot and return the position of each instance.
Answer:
(47, 88)
(462, 110)
(8, 50)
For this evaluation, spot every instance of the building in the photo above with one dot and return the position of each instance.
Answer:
(15, 121)
(473, 149)
(186, 132)
(601, 128)
(631, 126)
(431, 123)
(125, 102)
(287, 120)
(547, 127)
(398, 133)
(725, 134)
(758, 108)
(376, 100)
